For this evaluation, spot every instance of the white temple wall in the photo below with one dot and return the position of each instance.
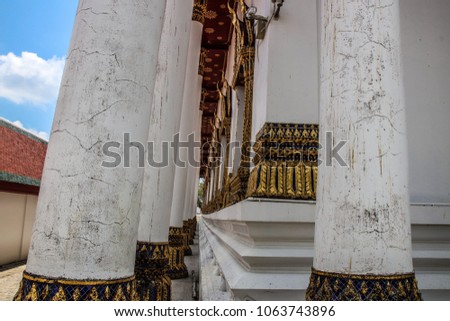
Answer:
(17, 212)
(425, 39)
(286, 66)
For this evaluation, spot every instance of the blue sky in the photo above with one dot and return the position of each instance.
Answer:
(34, 39)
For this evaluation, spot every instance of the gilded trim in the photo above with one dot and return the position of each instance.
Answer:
(38, 288)
(280, 179)
(201, 64)
(328, 286)
(285, 162)
(152, 263)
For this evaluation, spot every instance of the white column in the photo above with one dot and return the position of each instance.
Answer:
(196, 178)
(363, 222)
(190, 105)
(153, 233)
(193, 170)
(190, 187)
(188, 118)
(87, 214)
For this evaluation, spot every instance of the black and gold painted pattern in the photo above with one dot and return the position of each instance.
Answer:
(152, 264)
(186, 238)
(287, 142)
(192, 228)
(177, 267)
(38, 288)
(326, 286)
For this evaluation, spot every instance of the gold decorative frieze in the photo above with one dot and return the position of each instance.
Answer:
(326, 286)
(285, 162)
(38, 288)
(287, 142)
(198, 13)
(281, 179)
(152, 264)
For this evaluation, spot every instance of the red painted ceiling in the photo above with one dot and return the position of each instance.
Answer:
(217, 33)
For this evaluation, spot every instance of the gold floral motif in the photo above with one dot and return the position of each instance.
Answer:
(210, 14)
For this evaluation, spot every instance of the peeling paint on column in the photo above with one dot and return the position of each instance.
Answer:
(153, 252)
(165, 120)
(189, 117)
(87, 215)
(363, 224)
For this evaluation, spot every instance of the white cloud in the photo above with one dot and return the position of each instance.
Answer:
(29, 78)
(18, 123)
(42, 135)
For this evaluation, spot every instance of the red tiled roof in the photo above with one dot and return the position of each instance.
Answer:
(22, 155)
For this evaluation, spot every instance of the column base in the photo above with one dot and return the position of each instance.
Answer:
(37, 288)
(326, 286)
(152, 264)
(194, 225)
(191, 226)
(186, 237)
(186, 247)
(177, 267)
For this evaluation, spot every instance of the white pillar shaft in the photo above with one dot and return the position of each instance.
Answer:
(87, 214)
(195, 175)
(190, 182)
(363, 224)
(164, 122)
(187, 119)
(197, 169)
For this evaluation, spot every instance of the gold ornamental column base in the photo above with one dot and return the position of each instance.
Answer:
(191, 232)
(190, 223)
(37, 288)
(186, 234)
(152, 264)
(326, 286)
(193, 226)
(186, 247)
(177, 267)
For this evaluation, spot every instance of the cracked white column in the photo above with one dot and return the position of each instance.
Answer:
(84, 237)
(189, 222)
(152, 256)
(362, 238)
(177, 239)
(192, 206)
